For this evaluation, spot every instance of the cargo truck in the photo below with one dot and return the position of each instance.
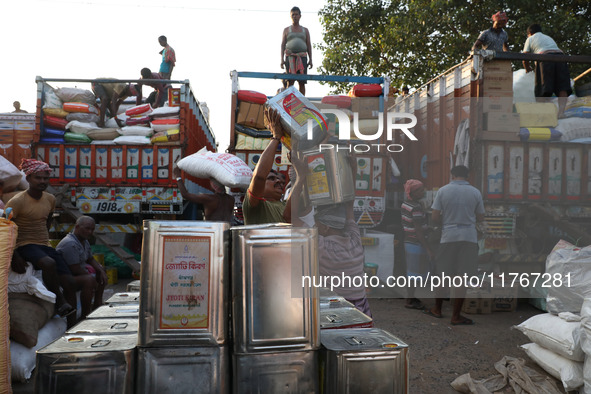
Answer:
(248, 138)
(126, 182)
(536, 188)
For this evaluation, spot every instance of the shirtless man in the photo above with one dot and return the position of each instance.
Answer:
(219, 207)
(296, 48)
(112, 96)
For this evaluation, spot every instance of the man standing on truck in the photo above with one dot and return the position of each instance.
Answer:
(168, 58)
(262, 202)
(88, 276)
(495, 38)
(112, 95)
(219, 207)
(457, 206)
(551, 77)
(32, 211)
(158, 96)
(296, 49)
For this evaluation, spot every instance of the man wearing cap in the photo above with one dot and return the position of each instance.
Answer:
(495, 38)
(32, 211)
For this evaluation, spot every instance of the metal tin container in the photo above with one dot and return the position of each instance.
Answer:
(88, 364)
(105, 327)
(363, 361)
(272, 311)
(299, 118)
(184, 284)
(334, 303)
(330, 178)
(124, 298)
(179, 370)
(285, 372)
(134, 285)
(128, 311)
(344, 318)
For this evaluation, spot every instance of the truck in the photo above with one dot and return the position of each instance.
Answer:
(535, 190)
(125, 180)
(248, 142)
(120, 185)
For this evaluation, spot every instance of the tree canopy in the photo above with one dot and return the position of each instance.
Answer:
(412, 41)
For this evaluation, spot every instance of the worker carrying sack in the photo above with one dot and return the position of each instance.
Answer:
(226, 168)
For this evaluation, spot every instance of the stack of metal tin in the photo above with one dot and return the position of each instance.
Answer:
(275, 317)
(183, 332)
(96, 355)
(338, 313)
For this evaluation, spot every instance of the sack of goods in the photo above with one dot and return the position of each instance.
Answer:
(9, 174)
(144, 109)
(80, 127)
(80, 107)
(136, 130)
(226, 168)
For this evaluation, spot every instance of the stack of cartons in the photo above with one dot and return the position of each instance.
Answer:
(499, 123)
(497, 295)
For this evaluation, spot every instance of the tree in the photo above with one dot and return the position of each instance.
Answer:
(412, 41)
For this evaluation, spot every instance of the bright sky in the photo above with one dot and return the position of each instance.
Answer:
(116, 38)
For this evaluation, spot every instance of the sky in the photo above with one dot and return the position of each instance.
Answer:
(89, 39)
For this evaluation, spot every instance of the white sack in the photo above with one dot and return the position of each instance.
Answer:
(569, 372)
(136, 130)
(572, 264)
(50, 99)
(523, 87)
(9, 174)
(129, 140)
(573, 128)
(23, 359)
(226, 168)
(587, 375)
(75, 95)
(78, 127)
(555, 334)
(28, 283)
(165, 111)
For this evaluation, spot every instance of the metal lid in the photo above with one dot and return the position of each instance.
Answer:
(360, 339)
(90, 343)
(342, 317)
(325, 292)
(104, 327)
(334, 302)
(115, 311)
(127, 297)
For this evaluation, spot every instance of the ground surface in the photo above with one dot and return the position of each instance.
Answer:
(439, 352)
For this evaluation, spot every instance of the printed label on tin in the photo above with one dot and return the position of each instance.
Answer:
(185, 282)
(317, 180)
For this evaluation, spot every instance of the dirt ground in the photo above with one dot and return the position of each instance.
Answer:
(440, 352)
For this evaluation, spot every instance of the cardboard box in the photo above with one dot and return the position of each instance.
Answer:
(477, 306)
(500, 121)
(366, 107)
(500, 136)
(498, 66)
(499, 102)
(503, 295)
(497, 81)
(537, 114)
(251, 115)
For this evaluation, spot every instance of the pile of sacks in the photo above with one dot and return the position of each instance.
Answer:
(70, 115)
(575, 126)
(561, 339)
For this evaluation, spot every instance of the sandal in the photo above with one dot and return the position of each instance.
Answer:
(428, 312)
(464, 322)
(415, 304)
(65, 310)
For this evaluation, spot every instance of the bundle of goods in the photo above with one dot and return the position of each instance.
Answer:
(251, 109)
(226, 168)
